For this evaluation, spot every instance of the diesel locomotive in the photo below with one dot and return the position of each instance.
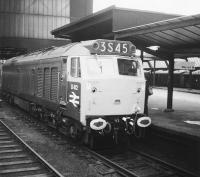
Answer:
(87, 88)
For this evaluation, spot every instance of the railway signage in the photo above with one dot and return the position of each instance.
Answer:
(111, 47)
(183, 65)
(74, 94)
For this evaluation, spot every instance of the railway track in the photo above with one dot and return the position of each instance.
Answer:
(132, 163)
(17, 159)
(120, 162)
(175, 168)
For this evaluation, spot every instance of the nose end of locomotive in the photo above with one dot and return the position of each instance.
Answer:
(144, 122)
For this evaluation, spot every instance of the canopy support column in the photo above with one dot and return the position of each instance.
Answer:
(154, 72)
(142, 55)
(170, 85)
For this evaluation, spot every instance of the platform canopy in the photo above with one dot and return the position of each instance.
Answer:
(175, 35)
(103, 24)
(179, 37)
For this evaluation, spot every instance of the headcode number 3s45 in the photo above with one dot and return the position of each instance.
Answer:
(114, 47)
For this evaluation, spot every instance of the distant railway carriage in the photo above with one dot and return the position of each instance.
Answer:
(181, 79)
(84, 88)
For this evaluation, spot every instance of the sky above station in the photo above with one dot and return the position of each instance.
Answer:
(181, 7)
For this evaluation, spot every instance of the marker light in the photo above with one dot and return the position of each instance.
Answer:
(133, 49)
(95, 46)
(98, 124)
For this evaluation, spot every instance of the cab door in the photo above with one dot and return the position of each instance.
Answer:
(63, 82)
(74, 87)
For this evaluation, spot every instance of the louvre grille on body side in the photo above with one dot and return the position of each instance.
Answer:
(33, 82)
(39, 82)
(47, 81)
(54, 83)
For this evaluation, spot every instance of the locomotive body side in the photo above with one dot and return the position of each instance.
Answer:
(32, 80)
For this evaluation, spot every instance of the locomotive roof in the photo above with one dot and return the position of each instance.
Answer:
(52, 52)
(83, 48)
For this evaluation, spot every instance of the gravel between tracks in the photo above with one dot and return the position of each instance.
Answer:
(68, 159)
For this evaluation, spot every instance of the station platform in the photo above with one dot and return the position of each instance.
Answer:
(186, 90)
(184, 120)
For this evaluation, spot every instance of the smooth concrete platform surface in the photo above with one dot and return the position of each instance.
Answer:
(184, 120)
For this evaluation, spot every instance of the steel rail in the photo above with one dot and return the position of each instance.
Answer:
(122, 171)
(43, 162)
(172, 166)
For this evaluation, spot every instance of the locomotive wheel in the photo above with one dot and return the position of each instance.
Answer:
(73, 132)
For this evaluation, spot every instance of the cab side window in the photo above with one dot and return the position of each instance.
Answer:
(75, 67)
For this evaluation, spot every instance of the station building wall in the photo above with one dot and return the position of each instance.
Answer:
(80, 8)
(28, 23)
(32, 18)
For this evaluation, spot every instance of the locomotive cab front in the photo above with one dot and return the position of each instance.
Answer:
(110, 87)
